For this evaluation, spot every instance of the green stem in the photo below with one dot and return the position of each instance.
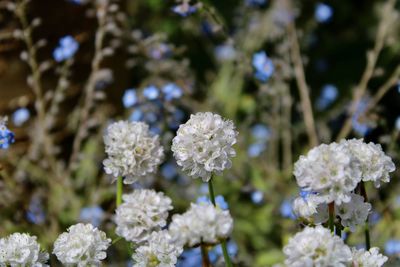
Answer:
(363, 193)
(204, 256)
(223, 243)
(119, 191)
(331, 211)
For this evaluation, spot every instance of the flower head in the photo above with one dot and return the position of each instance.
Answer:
(21, 250)
(316, 247)
(201, 223)
(132, 150)
(264, 68)
(6, 136)
(370, 258)
(142, 212)
(82, 245)
(158, 251)
(184, 9)
(323, 12)
(66, 49)
(203, 145)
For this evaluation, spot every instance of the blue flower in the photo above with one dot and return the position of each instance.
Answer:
(219, 200)
(392, 247)
(20, 116)
(323, 13)
(286, 209)
(225, 52)
(176, 119)
(190, 258)
(6, 136)
(360, 127)
(255, 150)
(129, 99)
(136, 115)
(172, 91)
(257, 197)
(328, 96)
(66, 49)
(160, 51)
(260, 132)
(35, 213)
(92, 214)
(151, 92)
(169, 171)
(264, 68)
(184, 9)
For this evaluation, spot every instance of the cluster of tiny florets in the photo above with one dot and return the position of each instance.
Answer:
(21, 250)
(369, 258)
(159, 251)
(6, 136)
(203, 145)
(142, 212)
(202, 223)
(133, 152)
(82, 245)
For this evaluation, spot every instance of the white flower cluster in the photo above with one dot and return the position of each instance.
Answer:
(351, 214)
(83, 245)
(132, 151)
(160, 251)
(202, 223)
(142, 212)
(203, 145)
(317, 247)
(21, 250)
(333, 171)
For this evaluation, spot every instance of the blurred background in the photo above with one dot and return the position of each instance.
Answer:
(290, 74)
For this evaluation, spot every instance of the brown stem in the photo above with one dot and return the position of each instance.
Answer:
(204, 256)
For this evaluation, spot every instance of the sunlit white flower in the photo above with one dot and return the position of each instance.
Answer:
(305, 207)
(203, 145)
(142, 212)
(354, 212)
(82, 245)
(159, 251)
(202, 223)
(316, 247)
(371, 258)
(133, 152)
(21, 250)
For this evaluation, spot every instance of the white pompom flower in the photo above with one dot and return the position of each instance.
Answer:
(142, 212)
(353, 213)
(316, 247)
(202, 223)
(370, 258)
(82, 245)
(203, 145)
(133, 152)
(159, 251)
(21, 249)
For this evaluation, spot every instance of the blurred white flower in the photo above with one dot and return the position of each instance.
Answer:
(353, 213)
(82, 245)
(142, 212)
(202, 223)
(371, 258)
(305, 207)
(316, 247)
(133, 152)
(21, 250)
(159, 251)
(203, 145)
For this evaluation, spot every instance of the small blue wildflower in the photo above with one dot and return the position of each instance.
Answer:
(20, 116)
(260, 132)
(190, 258)
(256, 2)
(136, 115)
(286, 209)
(264, 68)
(184, 9)
(66, 49)
(225, 52)
(397, 124)
(92, 214)
(257, 197)
(151, 92)
(374, 217)
(203, 190)
(392, 247)
(6, 136)
(169, 171)
(129, 99)
(360, 128)
(255, 150)
(155, 130)
(323, 12)
(172, 91)
(35, 213)
(219, 200)
(328, 96)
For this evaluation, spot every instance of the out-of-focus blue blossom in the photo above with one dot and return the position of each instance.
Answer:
(150, 117)
(66, 49)
(219, 200)
(155, 130)
(323, 13)
(231, 246)
(397, 124)
(328, 96)
(160, 51)
(20, 116)
(136, 115)
(260, 132)
(129, 98)
(257, 197)
(203, 190)
(6, 136)
(264, 68)
(256, 2)
(169, 171)
(392, 247)
(35, 213)
(374, 217)
(360, 127)
(176, 119)
(286, 209)
(225, 52)
(151, 92)
(255, 150)
(184, 9)
(92, 214)
(190, 258)
(172, 91)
